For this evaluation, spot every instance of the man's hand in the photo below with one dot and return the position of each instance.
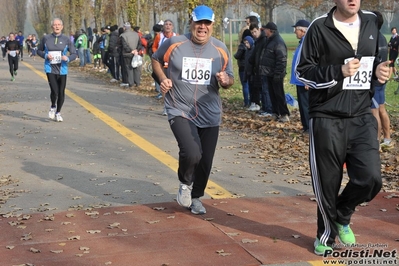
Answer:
(350, 68)
(165, 85)
(223, 79)
(382, 72)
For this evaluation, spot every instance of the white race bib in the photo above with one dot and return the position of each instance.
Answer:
(56, 57)
(197, 70)
(13, 53)
(362, 79)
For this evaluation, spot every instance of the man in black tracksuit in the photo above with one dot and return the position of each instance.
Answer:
(13, 49)
(342, 128)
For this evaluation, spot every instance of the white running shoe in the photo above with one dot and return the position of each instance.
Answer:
(184, 195)
(284, 119)
(58, 117)
(113, 80)
(51, 113)
(264, 114)
(254, 107)
(197, 207)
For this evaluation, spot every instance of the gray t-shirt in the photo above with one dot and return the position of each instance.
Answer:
(192, 69)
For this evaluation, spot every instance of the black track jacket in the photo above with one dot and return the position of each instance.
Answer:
(321, 57)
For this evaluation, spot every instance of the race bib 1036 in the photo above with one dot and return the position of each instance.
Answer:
(197, 70)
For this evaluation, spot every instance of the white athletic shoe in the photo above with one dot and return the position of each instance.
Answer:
(51, 113)
(59, 117)
(254, 107)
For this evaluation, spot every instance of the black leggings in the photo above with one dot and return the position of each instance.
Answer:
(196, 150)
(57, 86)
(13, 63)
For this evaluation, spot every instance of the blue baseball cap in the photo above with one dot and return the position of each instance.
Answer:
(302, 23)
(203, 13)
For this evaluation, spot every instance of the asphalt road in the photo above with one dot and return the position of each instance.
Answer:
(113, 148)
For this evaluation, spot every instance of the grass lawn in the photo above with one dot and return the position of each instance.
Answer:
(234, 94)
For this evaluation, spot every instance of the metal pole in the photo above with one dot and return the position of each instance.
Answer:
(231, 38)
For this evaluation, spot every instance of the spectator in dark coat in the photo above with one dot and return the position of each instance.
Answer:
(259, 87)
(240, 56)
(274, 66)
(113, 53)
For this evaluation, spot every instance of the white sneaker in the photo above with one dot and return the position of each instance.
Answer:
(164, 113)
(51, 113)
(387, 143)
(264, 114)
(284, 119)
(124, 84)
(113, 80)
(184, 195)
(197, 207)
(254, 107)
(58, 117)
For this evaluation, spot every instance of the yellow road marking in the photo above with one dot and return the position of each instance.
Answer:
(214, 190)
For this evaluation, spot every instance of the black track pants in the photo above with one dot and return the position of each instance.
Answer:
(13, 64)
(196, 150)
(334, 142)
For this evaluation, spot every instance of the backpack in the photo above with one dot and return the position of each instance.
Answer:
(149, 47)
(96, 47)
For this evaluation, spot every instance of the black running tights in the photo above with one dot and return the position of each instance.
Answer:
(57, 87)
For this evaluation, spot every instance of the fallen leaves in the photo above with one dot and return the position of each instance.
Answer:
(222, 253)
(26, 237)
(92, 213)
(159, 208)
(247, 240)
(57, 251)
(286, 149)
(34, 250)
(292, 181)
(74, 238)
(113, 225)
(153, 222)
(93, 231)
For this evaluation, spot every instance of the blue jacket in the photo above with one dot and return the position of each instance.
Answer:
(62, 43)
(20, 39)
(294, 80)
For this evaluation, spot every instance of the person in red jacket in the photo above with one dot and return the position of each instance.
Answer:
(393, 52)
(159, 39)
